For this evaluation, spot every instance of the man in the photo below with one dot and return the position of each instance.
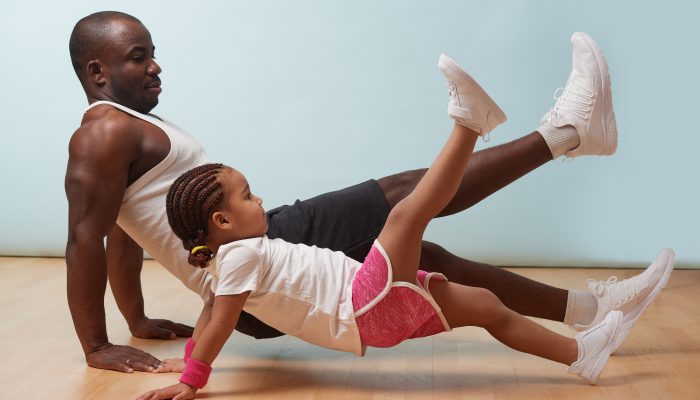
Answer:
(122, 160)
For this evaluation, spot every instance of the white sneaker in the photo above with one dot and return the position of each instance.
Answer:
(586, 101)
(469, 104)
(633, 295)
(595, 346)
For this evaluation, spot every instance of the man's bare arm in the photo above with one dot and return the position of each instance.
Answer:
(124, 263)
(96, 177)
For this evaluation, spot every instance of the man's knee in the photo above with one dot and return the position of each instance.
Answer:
(398, 186)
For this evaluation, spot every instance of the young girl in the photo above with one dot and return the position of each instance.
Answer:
(330, 300)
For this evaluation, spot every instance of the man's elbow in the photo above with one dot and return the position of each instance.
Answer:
(80, 240)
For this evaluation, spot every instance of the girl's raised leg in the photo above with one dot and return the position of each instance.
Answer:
(402, 234)
(475, 114)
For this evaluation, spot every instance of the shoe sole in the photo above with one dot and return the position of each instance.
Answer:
(445, 62)
(604, 70)
(602, 361)
(633, 316)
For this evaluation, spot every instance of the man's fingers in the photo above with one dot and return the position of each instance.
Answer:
(149, 360)
(183, 330)
(142, 366)
(180, 330)
(123, 359)
(140, 360)
(162, 333)
(162, 368)
(107, 360)
(121, 367)
(114, 365)
(163, 329)
(165, 366)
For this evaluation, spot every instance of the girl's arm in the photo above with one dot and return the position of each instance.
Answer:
(202, 321)
(216, 327)
(221, 322)
(178, 364)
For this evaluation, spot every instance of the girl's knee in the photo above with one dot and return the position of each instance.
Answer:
(491, 310)
(407, 220)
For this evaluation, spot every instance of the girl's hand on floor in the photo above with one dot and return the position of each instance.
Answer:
(175, 392)
(171, 365)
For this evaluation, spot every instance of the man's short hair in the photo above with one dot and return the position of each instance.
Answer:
(90, 35)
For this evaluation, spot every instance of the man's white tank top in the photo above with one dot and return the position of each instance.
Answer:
(142, 214)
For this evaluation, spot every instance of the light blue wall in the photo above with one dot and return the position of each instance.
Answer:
(309, 96)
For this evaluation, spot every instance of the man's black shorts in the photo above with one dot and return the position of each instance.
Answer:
(346, 220)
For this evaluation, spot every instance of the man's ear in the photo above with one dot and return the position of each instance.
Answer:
(221, 220)
(96, 72)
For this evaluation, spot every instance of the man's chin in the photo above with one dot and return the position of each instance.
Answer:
(146, 108)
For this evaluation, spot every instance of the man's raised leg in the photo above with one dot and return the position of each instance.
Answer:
(489, 171)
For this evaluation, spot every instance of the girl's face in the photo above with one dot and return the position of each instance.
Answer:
(242, 209)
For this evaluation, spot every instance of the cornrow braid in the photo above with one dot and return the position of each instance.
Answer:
(190, 202)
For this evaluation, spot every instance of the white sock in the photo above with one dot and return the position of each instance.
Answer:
(559, 140)
(581, 308)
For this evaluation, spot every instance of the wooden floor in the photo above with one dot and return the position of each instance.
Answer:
(42, 357)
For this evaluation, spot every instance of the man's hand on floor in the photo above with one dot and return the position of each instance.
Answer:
(161, 329)
(122, 358)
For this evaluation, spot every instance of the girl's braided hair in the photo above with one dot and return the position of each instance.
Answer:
(191, 201)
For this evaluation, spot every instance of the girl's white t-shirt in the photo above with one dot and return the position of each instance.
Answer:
(301, 290)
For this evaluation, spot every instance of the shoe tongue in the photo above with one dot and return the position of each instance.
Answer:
(597, 288)
(559, 121)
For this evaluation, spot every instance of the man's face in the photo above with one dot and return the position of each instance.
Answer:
(130, 70)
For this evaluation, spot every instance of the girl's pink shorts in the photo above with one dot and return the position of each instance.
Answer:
(387, 312)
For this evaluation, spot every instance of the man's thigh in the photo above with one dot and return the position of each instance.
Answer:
(346, 220)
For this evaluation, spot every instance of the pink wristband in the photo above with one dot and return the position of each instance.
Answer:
(196, 373)
(189, 346)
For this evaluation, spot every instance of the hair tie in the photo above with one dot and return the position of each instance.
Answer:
(198, 248)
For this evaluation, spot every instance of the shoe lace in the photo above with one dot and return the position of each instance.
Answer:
(574, 98)
(453, 92)
(617, 297)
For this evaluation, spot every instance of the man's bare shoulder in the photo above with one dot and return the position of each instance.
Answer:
(105, 130)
